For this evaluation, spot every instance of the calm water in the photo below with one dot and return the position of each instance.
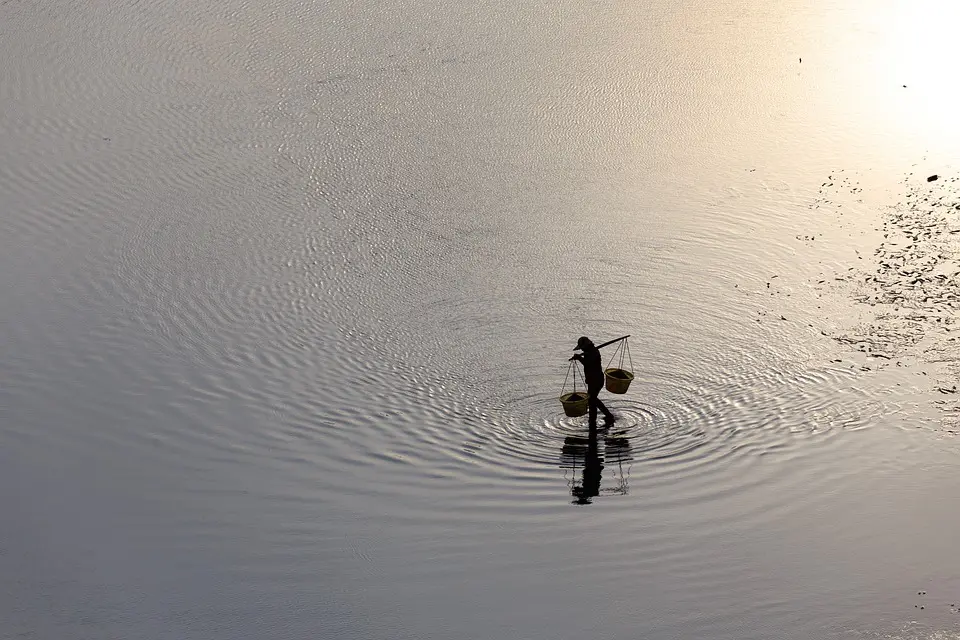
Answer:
(288, 289)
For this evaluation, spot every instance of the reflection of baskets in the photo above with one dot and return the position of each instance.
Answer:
(575, 404)
(618, 380)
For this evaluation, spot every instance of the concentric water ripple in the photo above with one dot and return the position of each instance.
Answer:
(704, 438)
(531, 427)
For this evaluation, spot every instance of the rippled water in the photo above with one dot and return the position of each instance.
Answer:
(288, 291)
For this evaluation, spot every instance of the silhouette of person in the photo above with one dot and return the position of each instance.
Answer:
(593, 375)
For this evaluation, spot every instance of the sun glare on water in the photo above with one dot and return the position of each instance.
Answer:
(914, 63)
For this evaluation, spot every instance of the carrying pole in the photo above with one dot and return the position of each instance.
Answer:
(600, 346)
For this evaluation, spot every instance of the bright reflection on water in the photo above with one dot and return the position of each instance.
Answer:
(912, 43)
(288, 291)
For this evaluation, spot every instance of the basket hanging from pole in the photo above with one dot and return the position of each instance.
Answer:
(575, 403)
(617, 379)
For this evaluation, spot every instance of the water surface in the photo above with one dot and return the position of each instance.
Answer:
(289, 287)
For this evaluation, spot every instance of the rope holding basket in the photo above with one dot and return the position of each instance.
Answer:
(575, 403)
(617, 379)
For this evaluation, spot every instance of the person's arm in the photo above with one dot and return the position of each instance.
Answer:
(577, 356)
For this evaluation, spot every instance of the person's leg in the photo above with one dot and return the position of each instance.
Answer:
(593, 390)
(595, 403)
(607, 414)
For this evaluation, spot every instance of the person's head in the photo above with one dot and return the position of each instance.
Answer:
(584, 343)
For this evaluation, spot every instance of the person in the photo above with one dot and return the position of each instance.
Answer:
(593, 375)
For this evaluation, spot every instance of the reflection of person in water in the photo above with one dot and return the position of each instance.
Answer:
(592, 469)
(593, 375)
(585, 453)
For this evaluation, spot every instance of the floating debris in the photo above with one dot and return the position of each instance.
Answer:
(911, 282)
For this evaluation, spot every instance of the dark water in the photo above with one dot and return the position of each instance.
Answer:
(288, 290)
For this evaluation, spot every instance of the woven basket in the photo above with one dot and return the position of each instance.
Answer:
(575, 404)
(617, 380)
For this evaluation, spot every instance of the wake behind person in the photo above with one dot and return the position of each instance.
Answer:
(593, 375)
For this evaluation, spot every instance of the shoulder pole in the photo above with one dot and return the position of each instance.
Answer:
(600, 346)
